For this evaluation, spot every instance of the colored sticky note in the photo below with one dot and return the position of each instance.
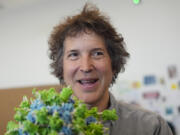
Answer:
(136, 84)
(173, 86)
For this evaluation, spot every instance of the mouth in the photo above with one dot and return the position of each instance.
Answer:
(88, 83)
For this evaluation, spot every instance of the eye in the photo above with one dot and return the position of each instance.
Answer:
(98, 54)
(73, 55)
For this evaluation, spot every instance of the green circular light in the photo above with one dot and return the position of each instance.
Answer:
(136, 1)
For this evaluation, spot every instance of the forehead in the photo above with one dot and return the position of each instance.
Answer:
(84, 39)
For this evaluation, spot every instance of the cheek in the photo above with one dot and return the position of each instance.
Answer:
(105, 68)
(65, 71)
(69, 71)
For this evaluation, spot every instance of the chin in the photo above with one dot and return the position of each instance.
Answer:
(89, 100)
(87, 97)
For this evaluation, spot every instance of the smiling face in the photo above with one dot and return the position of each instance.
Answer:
(87, 68)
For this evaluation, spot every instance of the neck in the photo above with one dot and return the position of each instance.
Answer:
(102, 104)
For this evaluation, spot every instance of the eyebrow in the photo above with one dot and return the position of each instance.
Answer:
(71, 51)
(94, 49)
(97, 49)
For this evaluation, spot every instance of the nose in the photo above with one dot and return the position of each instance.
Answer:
(86, 65)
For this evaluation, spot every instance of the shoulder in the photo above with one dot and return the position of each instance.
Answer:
(137, 114)
(137, 119)
(128, 111)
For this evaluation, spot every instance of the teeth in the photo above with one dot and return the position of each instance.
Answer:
(87, 81)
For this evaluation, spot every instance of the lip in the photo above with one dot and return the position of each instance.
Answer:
(88, 87)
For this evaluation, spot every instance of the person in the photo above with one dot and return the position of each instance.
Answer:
(176, 121)
(87, 54)
(172, 127)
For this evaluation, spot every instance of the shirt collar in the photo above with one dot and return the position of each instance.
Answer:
(112, 105)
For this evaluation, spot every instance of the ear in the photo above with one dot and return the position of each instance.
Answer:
(113, 71)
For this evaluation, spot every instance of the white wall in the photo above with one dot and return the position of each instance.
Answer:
(151, 31)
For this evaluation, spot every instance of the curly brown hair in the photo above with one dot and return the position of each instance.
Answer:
(89, 19)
